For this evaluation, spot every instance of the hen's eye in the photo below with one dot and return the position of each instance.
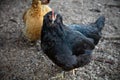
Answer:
(50, 17)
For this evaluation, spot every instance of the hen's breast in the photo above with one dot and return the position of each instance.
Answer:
(33, 26)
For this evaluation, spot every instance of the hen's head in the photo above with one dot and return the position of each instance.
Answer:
(45, 1)
(53, 19)
(53, 24)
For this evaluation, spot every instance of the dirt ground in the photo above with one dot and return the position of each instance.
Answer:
(20, 61)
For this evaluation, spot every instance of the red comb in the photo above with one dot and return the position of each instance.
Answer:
(53, 13)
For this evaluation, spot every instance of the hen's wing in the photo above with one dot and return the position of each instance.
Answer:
(79, 43)
(88, 31)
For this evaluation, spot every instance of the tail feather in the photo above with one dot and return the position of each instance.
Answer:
(100, 22)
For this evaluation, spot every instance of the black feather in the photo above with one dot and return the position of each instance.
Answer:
(92, 31)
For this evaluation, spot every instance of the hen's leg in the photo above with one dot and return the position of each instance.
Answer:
(59, 75)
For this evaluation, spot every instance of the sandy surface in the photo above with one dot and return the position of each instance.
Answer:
(20, 61)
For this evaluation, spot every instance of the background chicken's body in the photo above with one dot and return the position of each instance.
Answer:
(33, 19)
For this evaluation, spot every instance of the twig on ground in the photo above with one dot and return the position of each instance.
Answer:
(112, 38)
(104, 60)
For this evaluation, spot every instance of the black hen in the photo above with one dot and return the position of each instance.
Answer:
(66, 47)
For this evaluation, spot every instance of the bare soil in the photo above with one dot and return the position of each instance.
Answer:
(21, 61)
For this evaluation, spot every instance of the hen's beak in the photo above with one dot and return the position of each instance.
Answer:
(53, 16)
